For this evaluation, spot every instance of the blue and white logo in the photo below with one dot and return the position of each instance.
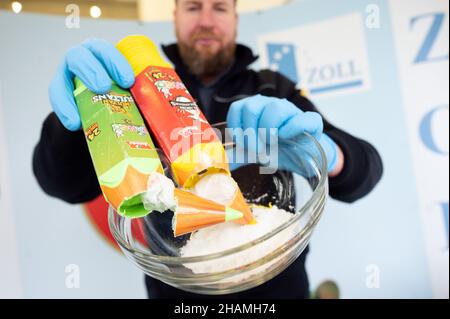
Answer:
(326, 58)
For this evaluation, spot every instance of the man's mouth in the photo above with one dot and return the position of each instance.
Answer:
(205, 41)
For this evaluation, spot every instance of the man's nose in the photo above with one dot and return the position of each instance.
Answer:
(206, 18)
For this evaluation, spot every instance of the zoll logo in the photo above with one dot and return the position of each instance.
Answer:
(309, 56)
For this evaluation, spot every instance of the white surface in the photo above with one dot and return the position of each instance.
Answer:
(10, 284)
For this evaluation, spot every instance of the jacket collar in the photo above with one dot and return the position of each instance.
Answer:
(243, 58)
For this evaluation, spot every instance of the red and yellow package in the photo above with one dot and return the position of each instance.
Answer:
(178, 125)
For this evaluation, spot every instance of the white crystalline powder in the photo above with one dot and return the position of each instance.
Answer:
(160, 194)
(220, 188)
(229, 235)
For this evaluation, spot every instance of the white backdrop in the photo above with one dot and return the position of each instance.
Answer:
(10, 286)
(378, 69)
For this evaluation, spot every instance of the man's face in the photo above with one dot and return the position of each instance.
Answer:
(206, 33)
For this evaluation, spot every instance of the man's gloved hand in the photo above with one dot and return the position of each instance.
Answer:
(261, 112)
(95, 62)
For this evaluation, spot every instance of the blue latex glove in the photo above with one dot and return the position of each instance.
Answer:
(261, 112)
(95, 62)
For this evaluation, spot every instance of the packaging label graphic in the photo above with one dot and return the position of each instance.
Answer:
(120, 146)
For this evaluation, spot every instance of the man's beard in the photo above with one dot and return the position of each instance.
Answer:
(206, 63)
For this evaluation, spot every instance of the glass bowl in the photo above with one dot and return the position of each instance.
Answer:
(149, 242)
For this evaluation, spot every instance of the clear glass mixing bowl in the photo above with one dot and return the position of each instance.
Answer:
(149, 242)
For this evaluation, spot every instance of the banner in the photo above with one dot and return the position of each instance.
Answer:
(422, 45)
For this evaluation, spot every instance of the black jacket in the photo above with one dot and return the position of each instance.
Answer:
(63, 167)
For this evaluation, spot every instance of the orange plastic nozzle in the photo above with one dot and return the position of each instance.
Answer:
(194, 213)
